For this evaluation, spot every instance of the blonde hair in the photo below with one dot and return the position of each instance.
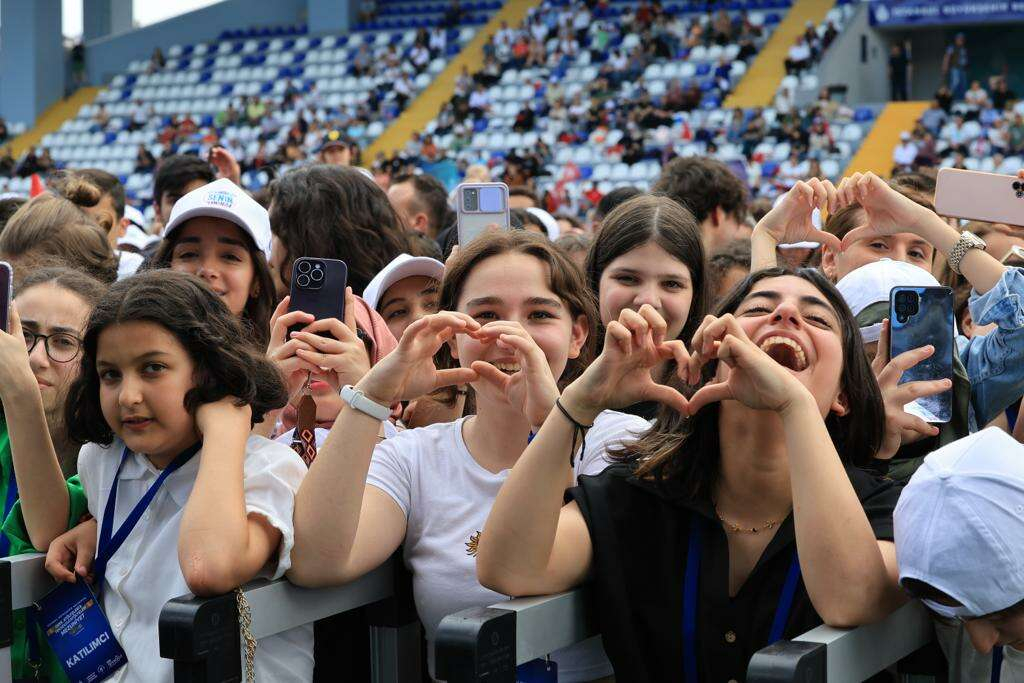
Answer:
(56, 230)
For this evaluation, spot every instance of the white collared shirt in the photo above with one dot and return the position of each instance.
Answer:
(144, 572)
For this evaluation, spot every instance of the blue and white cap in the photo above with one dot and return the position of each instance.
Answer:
(223, 199)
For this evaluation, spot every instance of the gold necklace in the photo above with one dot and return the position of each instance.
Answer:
(737, 529)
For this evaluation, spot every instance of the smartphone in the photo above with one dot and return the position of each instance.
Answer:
(480, 206)
(1014, 257)
(318, 288)
(979, 196)
(919, 316)
(6, 291)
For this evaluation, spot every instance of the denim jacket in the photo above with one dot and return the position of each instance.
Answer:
(995, 362)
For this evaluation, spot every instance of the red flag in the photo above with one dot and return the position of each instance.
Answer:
(37, 186)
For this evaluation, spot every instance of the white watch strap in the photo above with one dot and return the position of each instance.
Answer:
(358, 401)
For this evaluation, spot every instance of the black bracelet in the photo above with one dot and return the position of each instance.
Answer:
(579, 430)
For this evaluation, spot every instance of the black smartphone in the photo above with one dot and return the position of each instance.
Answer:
(919, 316)
(6, 292)
(318, 288)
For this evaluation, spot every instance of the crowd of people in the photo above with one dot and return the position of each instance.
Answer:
(691, 356)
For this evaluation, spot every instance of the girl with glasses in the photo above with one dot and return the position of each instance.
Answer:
(39, 360)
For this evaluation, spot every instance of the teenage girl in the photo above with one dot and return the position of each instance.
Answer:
(516, 318)
(221, 234)
(649, 251)
(169, 392)
(713, 506)
(38, 363)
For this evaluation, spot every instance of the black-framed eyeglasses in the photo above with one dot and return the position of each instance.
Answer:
(61, 347)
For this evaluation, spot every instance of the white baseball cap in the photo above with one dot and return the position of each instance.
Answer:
(872, 283)
(223, 199)
(547, 221)
(959, 524)
(401, 267)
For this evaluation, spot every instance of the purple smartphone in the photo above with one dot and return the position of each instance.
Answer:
(6, 289)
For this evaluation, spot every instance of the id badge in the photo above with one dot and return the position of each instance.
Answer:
(537, 671)
(79, 633)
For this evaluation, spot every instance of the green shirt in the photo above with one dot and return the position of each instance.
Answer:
(14, 527)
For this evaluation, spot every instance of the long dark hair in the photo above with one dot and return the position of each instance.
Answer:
(258, 309)
(565, 281)
(335, 212)
(226, 364)
(686, 451)
(663, 221)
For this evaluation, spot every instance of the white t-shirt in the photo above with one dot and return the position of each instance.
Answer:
(967, 665)
(144, 572)
(446, 496)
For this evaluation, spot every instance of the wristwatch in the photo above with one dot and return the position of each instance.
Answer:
(968, 240)
(358, 401)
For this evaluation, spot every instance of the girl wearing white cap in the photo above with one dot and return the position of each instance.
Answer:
(221, 234)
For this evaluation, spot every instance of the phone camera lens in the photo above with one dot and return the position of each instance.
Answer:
(317, 275)
(304, 266)
(302, 281)
(1017, 185)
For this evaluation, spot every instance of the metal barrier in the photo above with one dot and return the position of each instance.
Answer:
(487, 643)
(23, 580)
(202, 635)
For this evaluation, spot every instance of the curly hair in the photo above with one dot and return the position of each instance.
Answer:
(226, 364)
(335, 212)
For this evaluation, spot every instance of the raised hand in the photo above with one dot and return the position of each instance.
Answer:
(226, 164)
(15, 371)
(621, 376)
(344, 355)
(790, 222)
(751, 377)
(888, 212)
(409, 372)
(900, 426)
(280, 349)
(532, 389)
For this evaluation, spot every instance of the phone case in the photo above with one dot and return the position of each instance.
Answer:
(322, 297)
(473, 223)
(979, 196)
(932, 323)
(6, 290)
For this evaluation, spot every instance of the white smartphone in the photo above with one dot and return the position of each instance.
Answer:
(979, 196)
(481, 206)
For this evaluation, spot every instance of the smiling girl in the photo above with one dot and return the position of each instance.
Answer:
(649, 251)
(712, 506)
(168, 392)
(516, 316)
(219, 233)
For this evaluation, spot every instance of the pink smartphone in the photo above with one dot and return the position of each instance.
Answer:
(979, 196)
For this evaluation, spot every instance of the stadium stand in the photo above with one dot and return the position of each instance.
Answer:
(605, 107)
(249, 90)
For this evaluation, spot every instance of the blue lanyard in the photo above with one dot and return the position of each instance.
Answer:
(690, 592)
(997, 664)
(12, 498)
(110, 541)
